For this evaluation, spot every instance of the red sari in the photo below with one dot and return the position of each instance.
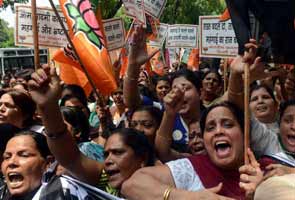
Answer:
(211, 176)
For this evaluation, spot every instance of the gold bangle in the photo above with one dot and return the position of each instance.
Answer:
(167, 193)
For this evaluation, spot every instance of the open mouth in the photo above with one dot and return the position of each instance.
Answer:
(291, 139)
(223, 149)
(15, 179)
(112, 173)
(261, 108)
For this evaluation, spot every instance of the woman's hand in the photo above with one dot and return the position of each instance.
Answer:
(173, 101)
(44, 86)
(137, 48)
(278, 170)
(250, 176)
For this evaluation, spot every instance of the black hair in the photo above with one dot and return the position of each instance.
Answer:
(157, 78)
(188, 75)
(153, 111)
(284, 106)
(40, 140)
(25, 103)
(76, 117)
(71, 96)
(139, 143)
(255, 87)
(7, 131)
(212, 70)
(238, 114)
(76, 91)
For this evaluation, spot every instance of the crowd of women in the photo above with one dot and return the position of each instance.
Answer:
(176, 136)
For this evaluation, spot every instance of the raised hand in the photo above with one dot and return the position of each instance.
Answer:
(250, 175)
(44, 86)
(137, 48)
(173, 101)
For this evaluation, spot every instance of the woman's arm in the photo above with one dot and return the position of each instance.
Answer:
(45, 90)
(163, 141)
(154, 182)
(137, 56)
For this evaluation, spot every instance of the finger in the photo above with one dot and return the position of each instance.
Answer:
(248, 169)
(216, 189)
(42, 74)
(244, 178)
(273, 166)
(224, 198)
(37, 78)
(269, 174)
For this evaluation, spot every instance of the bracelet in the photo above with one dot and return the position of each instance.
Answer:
(55, 135)
(167, 193)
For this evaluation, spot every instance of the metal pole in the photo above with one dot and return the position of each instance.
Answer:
(247, 112)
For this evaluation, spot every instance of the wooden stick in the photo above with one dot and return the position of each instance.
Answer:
(35, 35)
(100, 99)
(247, 112)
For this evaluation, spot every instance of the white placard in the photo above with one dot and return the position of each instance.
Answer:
(217, 39)
(135, 9)
(154, 7)
(49, 30)
(114, 32)
(162, 34)
(182, 35)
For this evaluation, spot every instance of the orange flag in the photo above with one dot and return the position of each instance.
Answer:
(193, 60)
(225, 16)
(1, 3)
(88, 39)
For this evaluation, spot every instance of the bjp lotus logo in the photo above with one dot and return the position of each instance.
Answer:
(85, 21)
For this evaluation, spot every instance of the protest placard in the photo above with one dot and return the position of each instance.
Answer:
(114, 32)
(182, 35)
(154, 7)
(162, 34)
(217, 39)
(49, 30)
(135, 9)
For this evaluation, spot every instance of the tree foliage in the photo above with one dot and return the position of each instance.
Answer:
(7, 3)
(188, 12)
(6, 35)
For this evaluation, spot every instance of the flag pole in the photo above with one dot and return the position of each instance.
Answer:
(100, 100)
(35, 34)
(247, 112)
(225, 78)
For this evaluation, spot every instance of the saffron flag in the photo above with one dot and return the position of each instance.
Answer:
(1, 3)
(88, 39)
(225, 16)
(193, 60)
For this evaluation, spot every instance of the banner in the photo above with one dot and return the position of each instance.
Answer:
(49, 30)
(182, 35)
(217, 38)
(162, 34)
(154, 8)
(114, 32)
(135, 9)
